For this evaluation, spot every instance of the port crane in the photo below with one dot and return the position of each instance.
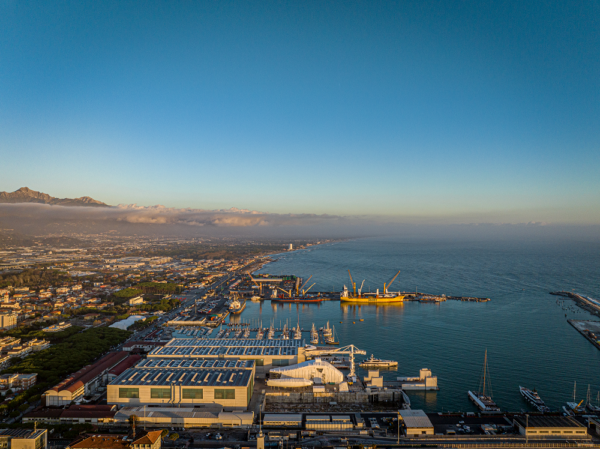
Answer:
(385, 289)
(300, 288)
(352, 284)
(287, 292)
(349, 350)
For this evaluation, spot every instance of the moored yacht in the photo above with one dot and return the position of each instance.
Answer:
(373, 362)
(534, 399)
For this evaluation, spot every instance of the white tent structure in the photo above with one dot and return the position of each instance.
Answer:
(289, 382)
(310, 370)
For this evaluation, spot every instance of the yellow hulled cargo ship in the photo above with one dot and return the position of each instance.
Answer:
(385, 297)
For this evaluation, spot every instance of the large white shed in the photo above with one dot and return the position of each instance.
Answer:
(310, 370)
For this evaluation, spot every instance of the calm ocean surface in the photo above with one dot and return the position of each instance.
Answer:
(527, 336)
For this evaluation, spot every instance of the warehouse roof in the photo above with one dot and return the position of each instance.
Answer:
(230, 342)
(210, 411)
(195, 363)
(125, 364)
(415, 419)
(185, 377)
(215, 351)
(90, 372)
(22, 433)
(548, 421)
(281, 417)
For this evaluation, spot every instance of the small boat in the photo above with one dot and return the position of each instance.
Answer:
(255, 298)
(594, 408)
(236, 306)
(480, 399)
(314, 335)
(297, 333)
(534, 399)
(576, 407)
(330, 339)
(373, 362)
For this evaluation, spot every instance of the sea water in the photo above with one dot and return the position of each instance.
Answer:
(525, 332)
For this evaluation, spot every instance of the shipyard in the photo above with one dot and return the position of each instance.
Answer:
(236, 355)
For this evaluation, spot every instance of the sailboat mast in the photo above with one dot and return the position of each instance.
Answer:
(484, 371)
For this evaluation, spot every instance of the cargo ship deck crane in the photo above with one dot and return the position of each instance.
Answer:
(385, 289)
(299, 289)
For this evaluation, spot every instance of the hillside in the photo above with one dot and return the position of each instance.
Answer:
(26, 195)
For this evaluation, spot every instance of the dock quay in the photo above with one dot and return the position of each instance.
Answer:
(589, 329)
(585, 302)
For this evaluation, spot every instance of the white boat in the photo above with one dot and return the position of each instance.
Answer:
(255, 298)
(534, 399)
(298, 333)
(373, 362)
(482, 400)
(314, 335)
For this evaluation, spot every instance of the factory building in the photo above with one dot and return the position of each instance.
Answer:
(415, 423)
(550, 426)
(183, 382)
(83, 382)
(186, 417)
(265, 353)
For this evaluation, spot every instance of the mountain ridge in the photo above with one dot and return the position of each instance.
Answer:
(26, 195)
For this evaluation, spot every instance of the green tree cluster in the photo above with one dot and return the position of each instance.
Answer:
(67, 356)
(128, 293)
(142, 324)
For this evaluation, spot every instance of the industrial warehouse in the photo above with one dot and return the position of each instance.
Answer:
(266, 353)
(229, 384)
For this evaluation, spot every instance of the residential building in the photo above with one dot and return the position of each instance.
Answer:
(8, 320)
(18, 381)
(57, 327)
(136, 301)
(138, 440)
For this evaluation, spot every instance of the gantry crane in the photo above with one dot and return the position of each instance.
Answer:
(350, 350)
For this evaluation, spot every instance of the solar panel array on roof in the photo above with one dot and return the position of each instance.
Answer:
(193, 347)
(184, 377)
(230, 342)
(157, 363)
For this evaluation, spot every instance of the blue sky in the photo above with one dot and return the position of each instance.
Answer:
(451, 111)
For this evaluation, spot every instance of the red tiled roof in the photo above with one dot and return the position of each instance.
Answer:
(85, 374)
(149, 438)
(102, 442)
(125, 364)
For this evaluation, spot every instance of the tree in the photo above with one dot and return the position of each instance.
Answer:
(174, 436)
(164, 433)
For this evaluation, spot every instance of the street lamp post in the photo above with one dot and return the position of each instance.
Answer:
(398, 426)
